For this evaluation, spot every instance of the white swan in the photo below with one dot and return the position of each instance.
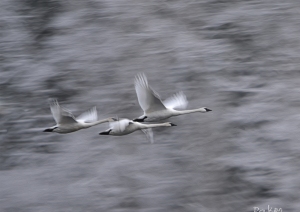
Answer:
(126, 126)
(66, 122)
(154, 109)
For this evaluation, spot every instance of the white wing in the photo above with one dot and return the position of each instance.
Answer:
(119, 126)
(178, 101)
(148, 99)
(149, 134)
(60, 115)
(89, 116)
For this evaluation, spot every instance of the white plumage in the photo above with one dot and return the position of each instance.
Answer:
(154, 109)
(66, 121)
(126, 126)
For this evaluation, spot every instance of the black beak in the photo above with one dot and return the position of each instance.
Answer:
(140, 120)
(173, 124)
(208, 109)
(105, 132)
(48, 130)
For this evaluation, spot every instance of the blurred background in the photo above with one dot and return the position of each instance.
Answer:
(238, 58)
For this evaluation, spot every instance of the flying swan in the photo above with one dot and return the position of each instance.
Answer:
(154, 109)
(66, 122)
(126, 126)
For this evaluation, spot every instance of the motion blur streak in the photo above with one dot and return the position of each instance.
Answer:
(239, 58)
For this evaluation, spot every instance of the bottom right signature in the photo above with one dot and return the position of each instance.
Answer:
(270, 209)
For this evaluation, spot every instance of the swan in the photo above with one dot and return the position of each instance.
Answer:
(126, 126)
(66, 122)
(154, 109)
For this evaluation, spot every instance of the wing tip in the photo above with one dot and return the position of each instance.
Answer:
(53, 101)
(141, 80)
(177, 100)
(89, 115)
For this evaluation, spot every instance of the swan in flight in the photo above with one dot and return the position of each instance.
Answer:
(66, 122)
(126, 126)
(154, 109)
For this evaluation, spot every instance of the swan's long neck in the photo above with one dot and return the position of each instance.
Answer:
(181, 112)
(145, 126)
(96, 122)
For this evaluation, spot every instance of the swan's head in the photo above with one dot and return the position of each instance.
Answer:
(52, 129)
(204, 110)
(107, 132)
(111, 119)
(170, 124)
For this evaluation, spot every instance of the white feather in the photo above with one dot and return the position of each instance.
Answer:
(61, 115)
(148, 99)
(156, 110)
(119, 126)
(177, 101)
(89, 116)
(149, 134)
(66, 122)
(126, 126)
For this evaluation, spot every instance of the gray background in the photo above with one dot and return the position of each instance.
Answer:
(238, 58)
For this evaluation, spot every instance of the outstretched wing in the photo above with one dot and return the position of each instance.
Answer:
(149, 134)
(89, 116)
(177, 101)
(61, 115)
(119, 126)
(148, 99)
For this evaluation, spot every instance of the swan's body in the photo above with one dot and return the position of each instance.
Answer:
(154, 109)
(67, 123)
(126, 126)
